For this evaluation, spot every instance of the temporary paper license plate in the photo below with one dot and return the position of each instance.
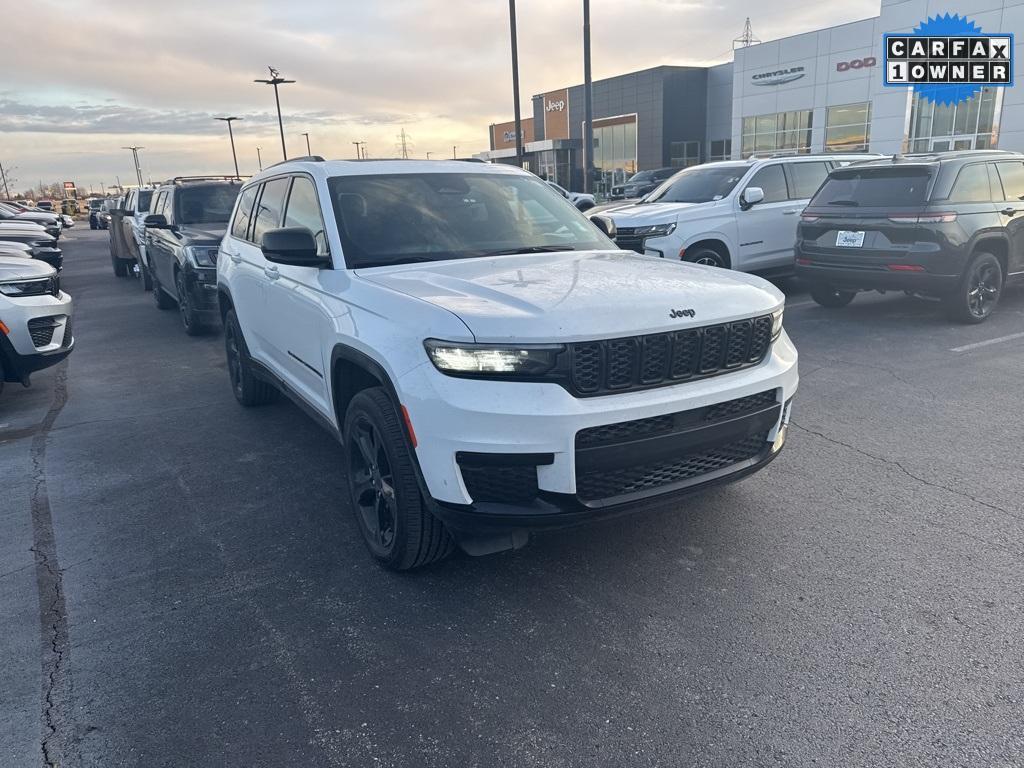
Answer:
(845, 239)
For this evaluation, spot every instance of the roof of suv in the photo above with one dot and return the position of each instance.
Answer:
(934, 158)
(329, 168)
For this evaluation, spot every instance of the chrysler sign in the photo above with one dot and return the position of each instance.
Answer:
(778, 76)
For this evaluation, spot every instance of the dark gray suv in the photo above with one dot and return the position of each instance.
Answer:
(949, 225)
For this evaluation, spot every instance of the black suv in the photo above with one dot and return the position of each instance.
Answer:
(187, 219)
(947, 225)
(639, 184)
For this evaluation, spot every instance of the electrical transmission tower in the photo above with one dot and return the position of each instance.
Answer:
(747, 38)
(403, 144)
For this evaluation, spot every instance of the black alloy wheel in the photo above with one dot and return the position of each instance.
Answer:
(188, 315)
(979, 290)
(706, 256)
(247, 388)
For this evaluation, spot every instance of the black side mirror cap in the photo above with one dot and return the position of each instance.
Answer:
(605, 224)
(155, 221)
(293, 246)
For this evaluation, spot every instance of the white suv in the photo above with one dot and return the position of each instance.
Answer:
(35, 319)
(734, 214)
(490, 361)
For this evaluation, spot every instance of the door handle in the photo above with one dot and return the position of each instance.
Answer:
(271, 272)
(235, 257)
(1009, 211)
(790, 213)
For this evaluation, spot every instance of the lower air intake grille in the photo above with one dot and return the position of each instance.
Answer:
(500, 483)
(41, 330)
(595, 486)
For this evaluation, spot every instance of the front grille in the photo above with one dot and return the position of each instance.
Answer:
(740, 405)
(41, 330)
(640, 362)
(500, 483)
(608, 484)
(627, 239)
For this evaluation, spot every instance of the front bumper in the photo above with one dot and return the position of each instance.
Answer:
(22, 356)
(460, 423)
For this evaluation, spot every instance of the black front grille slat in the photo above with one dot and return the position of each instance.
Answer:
(660, 359)
(627, 240)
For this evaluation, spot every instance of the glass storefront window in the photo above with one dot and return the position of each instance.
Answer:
(615, 152)
(721, 149)
(788, 132)
(684, 153)
(848, 127)
(942, 127)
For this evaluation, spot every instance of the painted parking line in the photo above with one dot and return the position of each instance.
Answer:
(979, 344)
(799, 304)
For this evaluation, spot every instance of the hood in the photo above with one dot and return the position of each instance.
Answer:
(19, 268)
(214, 232)
(15, 245)
(572, 296)
(651, 213)
(43, 218)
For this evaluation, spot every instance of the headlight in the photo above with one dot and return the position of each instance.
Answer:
(655, 230)
(35, 287)
(777, 323)
(202, 255)
(456, 359)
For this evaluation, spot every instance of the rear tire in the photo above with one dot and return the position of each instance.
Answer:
(160, 297)
(249, 390)
(978, 291)
(396, 526)
(120, 267)
(832, 298)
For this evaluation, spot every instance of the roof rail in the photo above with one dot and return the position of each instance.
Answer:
(181, 179)
(776, 155)
(304, 158)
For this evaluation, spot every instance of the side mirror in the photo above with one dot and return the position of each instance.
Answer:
(293, 246)
(751, 196)
(155, 221)
(605, 224)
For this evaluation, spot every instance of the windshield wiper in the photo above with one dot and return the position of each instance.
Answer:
(851, 203)
(529, 249)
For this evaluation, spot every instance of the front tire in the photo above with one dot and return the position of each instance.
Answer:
(978, 292)
(832, 298)
(707, 256)
(145, 279)
(249, 390)
(160, 297)
(193, 326)
(397, 528)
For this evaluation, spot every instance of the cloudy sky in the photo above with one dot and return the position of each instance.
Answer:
(82, 80)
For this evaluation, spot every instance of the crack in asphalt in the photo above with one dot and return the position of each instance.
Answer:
(53, 623)
(918, 478)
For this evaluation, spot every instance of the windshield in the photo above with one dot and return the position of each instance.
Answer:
(700, 184)
(874, 187)
(94, 205)
(206, 203)
(403, 218)
(642, 176)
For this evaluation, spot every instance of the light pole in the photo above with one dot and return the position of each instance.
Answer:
(259, 158)
(428, 155)
(588, 105)
(515, 83)
(454, 156)
(359, 152)
(308, 150)
(231, 135)
(276, 80)
(138, 169)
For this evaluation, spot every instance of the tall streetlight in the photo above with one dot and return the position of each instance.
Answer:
(428, 155)
(359, 152)
(454, 156)
(309, 152)
(259, 158)
(276, 80)
(138, 168)
(588, 105)
(231, 134)
(515, 83)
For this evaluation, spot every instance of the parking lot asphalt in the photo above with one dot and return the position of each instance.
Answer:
(182, 583)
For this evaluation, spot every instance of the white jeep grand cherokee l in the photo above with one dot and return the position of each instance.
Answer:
(491, 362)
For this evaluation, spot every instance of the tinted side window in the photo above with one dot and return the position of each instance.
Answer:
(158, 206)
(269, 208)
(805, 178)
(1012, 176)
(773, 181)
(971, 185)
(240, 226)
(304, 211)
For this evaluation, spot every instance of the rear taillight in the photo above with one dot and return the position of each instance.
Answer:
(809, 217)
(944, 217)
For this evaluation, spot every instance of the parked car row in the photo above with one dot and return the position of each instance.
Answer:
(35, 314)
(939, 225)
(491, 361)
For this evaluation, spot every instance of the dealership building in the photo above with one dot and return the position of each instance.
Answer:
(820, 91)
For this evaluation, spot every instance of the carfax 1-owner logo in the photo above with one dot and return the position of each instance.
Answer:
(947, 59)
